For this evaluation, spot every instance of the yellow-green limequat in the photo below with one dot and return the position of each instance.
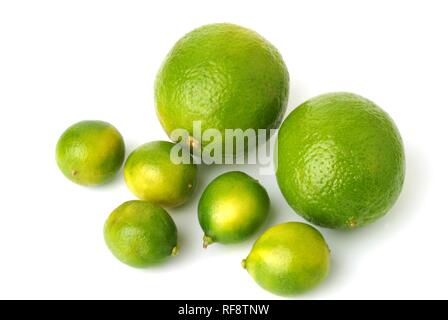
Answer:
(140, 234)
(232, 207)
(289, 259)
(90, 152)
(151, 175)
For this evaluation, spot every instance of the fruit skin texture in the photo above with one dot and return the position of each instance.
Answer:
(232, 208)
(140, 234)
(289, 258)
(340, 161)
(90, 152)
(225, 76)
(150, 175)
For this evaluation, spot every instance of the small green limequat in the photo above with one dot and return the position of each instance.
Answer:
(140, 233)
(90, 152)
(232, 207)
(151, 175)
(289, 258)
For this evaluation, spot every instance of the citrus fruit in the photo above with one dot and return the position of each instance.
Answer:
(226, 77)
(140, 233)
(151, 175)
(90, 152)
(232, 207)
(340, 161)
(289, 258)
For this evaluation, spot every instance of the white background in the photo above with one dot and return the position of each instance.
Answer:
(66, 61)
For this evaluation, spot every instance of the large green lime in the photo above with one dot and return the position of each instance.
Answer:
(226, 77)
(232, 208)
(151, 175)
(90, 152)
(140, 233)
(289, 258)
(340, 161)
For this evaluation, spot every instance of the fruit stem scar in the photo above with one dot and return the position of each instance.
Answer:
(243, 263)
(206, 241)
(74, 172)
(175, 251)
(352, 223)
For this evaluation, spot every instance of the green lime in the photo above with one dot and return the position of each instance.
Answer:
(140, 234)
(289, 258)
(151, 175)
(226, 77)
(90, 152)
(232, 208)
(341, 161)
